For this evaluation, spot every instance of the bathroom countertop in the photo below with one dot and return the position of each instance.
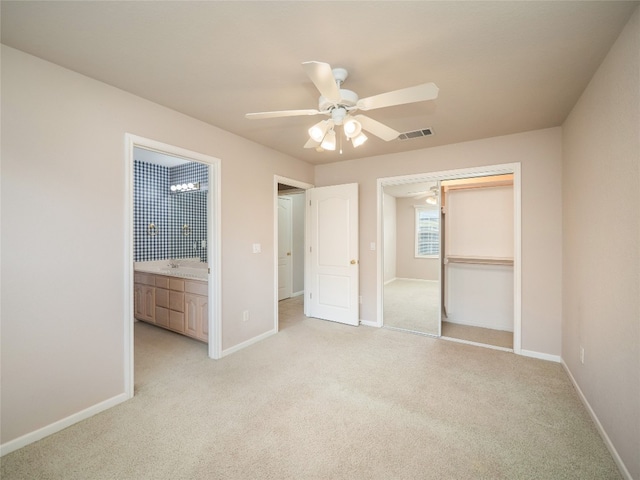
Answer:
(190, 270)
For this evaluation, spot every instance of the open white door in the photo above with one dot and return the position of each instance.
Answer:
(284, 248)
(333, 250)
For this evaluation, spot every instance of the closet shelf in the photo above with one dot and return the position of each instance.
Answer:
(479, 260)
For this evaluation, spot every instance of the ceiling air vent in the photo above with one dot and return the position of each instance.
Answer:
(425, 132)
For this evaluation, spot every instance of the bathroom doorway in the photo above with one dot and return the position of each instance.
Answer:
(173, 233)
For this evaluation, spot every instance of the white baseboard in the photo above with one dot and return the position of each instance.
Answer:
(39, 434)
(541, 356)
(476, 344)
(297, 294)
(607, 441)
(246, 343)
(416, 279)
(369, 323)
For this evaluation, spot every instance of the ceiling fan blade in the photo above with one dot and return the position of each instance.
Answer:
(419, 93)
(321, 75)
(378, 129)
(282, 113)
(311, 143)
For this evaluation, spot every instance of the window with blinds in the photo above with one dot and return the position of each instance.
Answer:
(427, 232)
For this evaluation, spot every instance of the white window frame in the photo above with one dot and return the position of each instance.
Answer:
(418, 210)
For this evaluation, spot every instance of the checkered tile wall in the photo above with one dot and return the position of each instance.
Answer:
(169, 212)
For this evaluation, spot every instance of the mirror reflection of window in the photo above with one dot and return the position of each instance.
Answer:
(427, 240)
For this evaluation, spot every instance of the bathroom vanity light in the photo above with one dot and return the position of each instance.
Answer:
(185, 187)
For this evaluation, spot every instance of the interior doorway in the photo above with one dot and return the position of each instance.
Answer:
(289, 245)
(204, 301)
(409, 193)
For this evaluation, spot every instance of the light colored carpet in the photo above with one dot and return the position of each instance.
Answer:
(321, 400)
(412, 305)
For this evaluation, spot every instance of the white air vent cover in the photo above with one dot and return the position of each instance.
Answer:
(425, 132)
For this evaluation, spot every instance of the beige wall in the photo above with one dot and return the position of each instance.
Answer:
(63, 245)
(601, 244)
(539, 153)
(389, 239)
(408, 266)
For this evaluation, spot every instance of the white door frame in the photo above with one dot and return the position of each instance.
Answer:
(304, 186)
(213, 247)
(506, 168)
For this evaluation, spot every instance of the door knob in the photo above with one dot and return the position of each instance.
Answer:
(289, 253)
(353, 262)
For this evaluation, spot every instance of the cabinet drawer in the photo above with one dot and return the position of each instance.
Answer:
(162, 317)
(176, 284)
(144, 278)
(162, 297)
(162, 282)
(199, 288)
(176, 321)
(176, 301)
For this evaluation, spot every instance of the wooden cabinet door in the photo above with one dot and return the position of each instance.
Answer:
(191, 314)
(176, 321)
(162, 317)
(162, 298)
(196, 316)
(138, 304)
(203, 325)
(144, 302)
(176, 301)
(149, 303)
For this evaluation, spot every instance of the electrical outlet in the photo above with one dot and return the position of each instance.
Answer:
(581, 354)
(245, 316)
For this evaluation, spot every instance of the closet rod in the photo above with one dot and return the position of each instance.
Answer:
(479, 260)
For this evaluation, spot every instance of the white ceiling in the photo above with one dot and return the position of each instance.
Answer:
(502, 67)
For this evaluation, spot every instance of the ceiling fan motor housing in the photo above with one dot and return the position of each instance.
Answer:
(348, 99)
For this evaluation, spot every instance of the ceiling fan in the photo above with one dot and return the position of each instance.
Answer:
(430, 196)
(340, 105)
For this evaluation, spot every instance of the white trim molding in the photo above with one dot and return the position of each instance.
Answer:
(541, 356)
(55, 427)
(302, 186)
(607, 441)
(249, 342)
(214, 235)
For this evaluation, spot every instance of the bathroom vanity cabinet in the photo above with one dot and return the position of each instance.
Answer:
(173, 303)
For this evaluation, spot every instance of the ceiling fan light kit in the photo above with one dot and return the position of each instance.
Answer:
(339, 103)
(319, 130)
(329, 141)
(359, 140)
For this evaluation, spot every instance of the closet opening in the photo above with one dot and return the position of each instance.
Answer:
(449, 262)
